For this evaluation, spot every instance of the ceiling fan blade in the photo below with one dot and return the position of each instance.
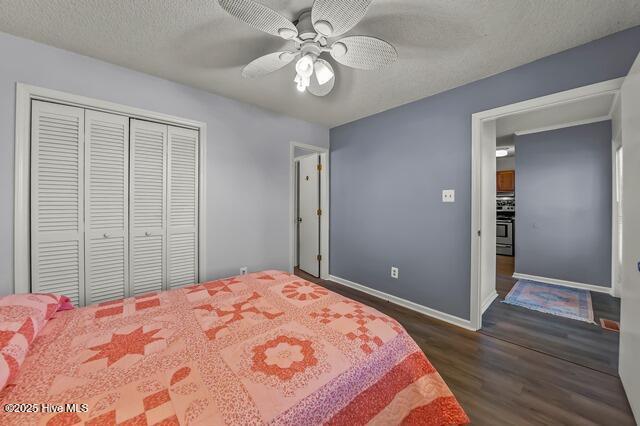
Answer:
(260, 17)
(317, 89)
(363, 52)
(334, 17)
(267, 63)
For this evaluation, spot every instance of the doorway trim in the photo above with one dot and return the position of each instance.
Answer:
(483, 185)
(324, 206)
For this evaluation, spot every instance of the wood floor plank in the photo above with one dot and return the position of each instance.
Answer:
(501, 383)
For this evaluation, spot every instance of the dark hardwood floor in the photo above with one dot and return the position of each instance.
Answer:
(585, 344)
(501, 383)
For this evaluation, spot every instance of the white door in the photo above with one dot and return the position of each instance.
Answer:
(309, 215)
(630, 304)
(182, 215)
(57, 228)
(147, 204)
(106, 206)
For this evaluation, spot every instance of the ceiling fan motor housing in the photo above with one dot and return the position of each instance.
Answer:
(304, 26)
(310, 48)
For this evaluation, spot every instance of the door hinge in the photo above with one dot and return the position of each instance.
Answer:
(319, 212)
(319, 257)
(319, 167)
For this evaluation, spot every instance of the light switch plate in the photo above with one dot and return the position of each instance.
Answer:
(448, 195)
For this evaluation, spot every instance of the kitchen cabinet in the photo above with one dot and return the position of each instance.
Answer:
(506, 181)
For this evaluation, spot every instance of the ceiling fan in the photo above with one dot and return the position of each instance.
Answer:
(314, 32)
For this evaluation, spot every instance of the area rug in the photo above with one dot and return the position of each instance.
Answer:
(552, 299)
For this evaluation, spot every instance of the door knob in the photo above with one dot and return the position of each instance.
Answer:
(299, 219)
(106, 235)
(148, 234)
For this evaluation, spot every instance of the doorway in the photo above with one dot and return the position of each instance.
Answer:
(309, 210)
(501, 262)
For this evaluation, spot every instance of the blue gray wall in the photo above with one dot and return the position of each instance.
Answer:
(247, 188)
(388, 171)
(563, 204)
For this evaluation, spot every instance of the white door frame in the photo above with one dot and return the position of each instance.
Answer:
(324, 206)
(616, 207)
(482, 152)
(21, 219)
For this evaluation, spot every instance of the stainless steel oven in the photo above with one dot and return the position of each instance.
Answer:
(504, 236)
(505, 210)
(504, 231)
(504, 249)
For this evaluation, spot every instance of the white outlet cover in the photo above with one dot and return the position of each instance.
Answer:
(394, 272)
(448, 195)
(243, 270)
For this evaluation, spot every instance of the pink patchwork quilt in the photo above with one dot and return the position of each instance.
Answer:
(262, 348)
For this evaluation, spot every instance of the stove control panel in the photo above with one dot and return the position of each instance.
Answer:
(506, 204)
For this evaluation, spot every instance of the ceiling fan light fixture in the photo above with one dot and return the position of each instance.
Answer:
(324, 73)
(304, 66)
(301, 82)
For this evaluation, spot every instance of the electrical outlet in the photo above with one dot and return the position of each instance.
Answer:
(394, 272)
(448, 195)
(243, 270)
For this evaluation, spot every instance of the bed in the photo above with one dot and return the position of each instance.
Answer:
(266, 347)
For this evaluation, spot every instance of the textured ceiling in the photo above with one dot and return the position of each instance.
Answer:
(441, 44)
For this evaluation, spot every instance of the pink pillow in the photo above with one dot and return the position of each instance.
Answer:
(65, 304)
(22, 316)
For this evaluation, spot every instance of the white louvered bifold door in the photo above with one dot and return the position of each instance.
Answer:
(182, 214)
(147, 245)
(57, 148)
(106, 206)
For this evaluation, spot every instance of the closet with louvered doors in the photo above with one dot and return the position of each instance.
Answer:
(114, 204)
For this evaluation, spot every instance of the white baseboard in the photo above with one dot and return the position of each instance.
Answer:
(488, 301)
(615, 290)
(555, 281)
(451, 319)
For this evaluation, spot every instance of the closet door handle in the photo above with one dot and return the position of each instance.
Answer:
(147, 234)
(106, 235)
